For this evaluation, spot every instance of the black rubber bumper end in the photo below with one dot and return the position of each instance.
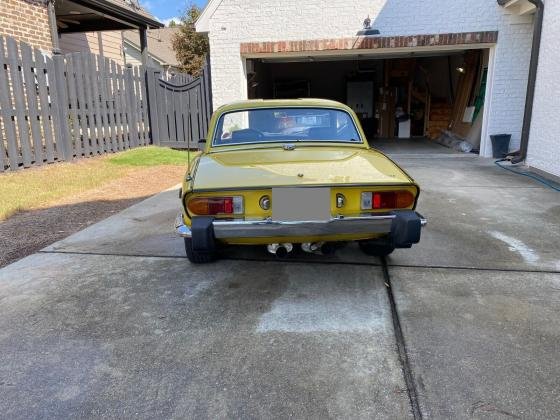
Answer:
(203, 234)
(406, 228)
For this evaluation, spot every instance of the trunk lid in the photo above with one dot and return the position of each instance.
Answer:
(273, 167)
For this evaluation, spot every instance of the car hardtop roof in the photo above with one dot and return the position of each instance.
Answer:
(282, 103)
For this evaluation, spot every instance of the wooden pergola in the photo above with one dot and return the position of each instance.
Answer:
(70, 16)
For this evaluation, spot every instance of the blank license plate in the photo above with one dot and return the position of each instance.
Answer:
(301, 204)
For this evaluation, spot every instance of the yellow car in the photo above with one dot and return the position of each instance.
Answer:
(287, 173)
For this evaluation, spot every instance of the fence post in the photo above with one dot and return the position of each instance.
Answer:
(60, 86)
(130, 98)
(151, 105)
(6, 112)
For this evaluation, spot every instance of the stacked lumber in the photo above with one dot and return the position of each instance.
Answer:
(440, 117)
(465, 93)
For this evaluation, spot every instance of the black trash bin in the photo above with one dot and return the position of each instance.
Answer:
(500, 145)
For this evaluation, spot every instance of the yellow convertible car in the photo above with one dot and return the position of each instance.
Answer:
(287, 173)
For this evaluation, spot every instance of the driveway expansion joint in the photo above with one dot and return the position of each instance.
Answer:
(401, 346)
(106, 254)
(304, 261)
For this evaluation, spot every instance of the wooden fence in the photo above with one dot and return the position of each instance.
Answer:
(60, 108)
(180, 108)
(177, 79)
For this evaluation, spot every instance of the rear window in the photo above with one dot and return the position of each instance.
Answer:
(285, 124)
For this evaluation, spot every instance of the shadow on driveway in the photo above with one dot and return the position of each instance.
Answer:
(27, 232)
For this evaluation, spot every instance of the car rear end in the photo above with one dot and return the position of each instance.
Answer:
(280, 173)
(303, 215)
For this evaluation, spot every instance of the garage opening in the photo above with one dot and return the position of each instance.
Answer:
(412, 101)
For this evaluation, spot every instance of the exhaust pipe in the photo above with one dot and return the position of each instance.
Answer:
(328, 248)
(280, 250)
(324, 248)
(312, 247)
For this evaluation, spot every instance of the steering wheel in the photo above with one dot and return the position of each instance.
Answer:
(247, 134)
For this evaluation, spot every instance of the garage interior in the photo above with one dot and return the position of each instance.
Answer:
(410, 99)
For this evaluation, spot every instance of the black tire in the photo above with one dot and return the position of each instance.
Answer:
(197, 257)
(376, 249)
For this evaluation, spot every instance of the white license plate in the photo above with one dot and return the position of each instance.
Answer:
(292, 204)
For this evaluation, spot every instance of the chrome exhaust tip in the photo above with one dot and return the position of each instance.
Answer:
(280, 250)
(312, 247)
(321, 248)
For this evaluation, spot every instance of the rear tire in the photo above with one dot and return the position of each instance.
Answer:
(376, 249)
(198, 257)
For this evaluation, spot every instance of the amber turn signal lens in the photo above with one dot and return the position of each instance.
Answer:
(404, 199)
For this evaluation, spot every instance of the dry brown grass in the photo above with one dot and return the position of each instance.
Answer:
(29, 231)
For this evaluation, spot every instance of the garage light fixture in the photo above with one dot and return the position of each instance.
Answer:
(461, 69)
(368, 30)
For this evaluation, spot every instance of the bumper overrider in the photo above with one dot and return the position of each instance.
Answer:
(403, 228)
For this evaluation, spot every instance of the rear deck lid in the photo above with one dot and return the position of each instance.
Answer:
(303, 166)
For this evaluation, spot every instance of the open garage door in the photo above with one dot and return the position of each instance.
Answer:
(407, 99)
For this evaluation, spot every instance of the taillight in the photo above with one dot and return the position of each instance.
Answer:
(215, 205)
(386, 200)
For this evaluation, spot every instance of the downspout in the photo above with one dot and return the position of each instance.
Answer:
(521, 155)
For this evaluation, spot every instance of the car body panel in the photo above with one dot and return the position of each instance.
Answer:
(352, 196)
(306, 165)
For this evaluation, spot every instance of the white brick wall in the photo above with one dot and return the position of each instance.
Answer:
(544, 141)
(236, 21)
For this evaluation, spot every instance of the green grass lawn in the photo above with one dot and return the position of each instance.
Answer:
(37, 187)
(150, 156)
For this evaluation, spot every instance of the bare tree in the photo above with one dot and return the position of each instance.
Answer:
(190, 47)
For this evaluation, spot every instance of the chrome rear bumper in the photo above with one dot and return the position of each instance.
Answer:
(268, 228)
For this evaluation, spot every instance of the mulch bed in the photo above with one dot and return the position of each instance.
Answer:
(27, 232)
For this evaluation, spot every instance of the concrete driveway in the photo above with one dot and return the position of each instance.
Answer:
(115, 322)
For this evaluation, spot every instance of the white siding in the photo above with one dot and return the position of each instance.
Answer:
(544, 141)
(88, 42)
(237, 21)
(134, 57)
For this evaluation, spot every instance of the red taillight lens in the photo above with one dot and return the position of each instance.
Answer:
(215, 205)
(387, 200)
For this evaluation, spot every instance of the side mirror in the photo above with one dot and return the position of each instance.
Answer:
(201, 144)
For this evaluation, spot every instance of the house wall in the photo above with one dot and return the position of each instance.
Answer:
(134, 56)
(237, 21)
(26, 21)
(544, 140)
(111, 41)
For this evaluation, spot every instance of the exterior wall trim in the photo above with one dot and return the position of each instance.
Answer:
(546, 175)
(369, 43)
(485, 149)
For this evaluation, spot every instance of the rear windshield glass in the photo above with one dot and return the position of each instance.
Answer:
(285, 124)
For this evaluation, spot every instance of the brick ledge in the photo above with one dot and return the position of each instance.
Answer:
(370, 43)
